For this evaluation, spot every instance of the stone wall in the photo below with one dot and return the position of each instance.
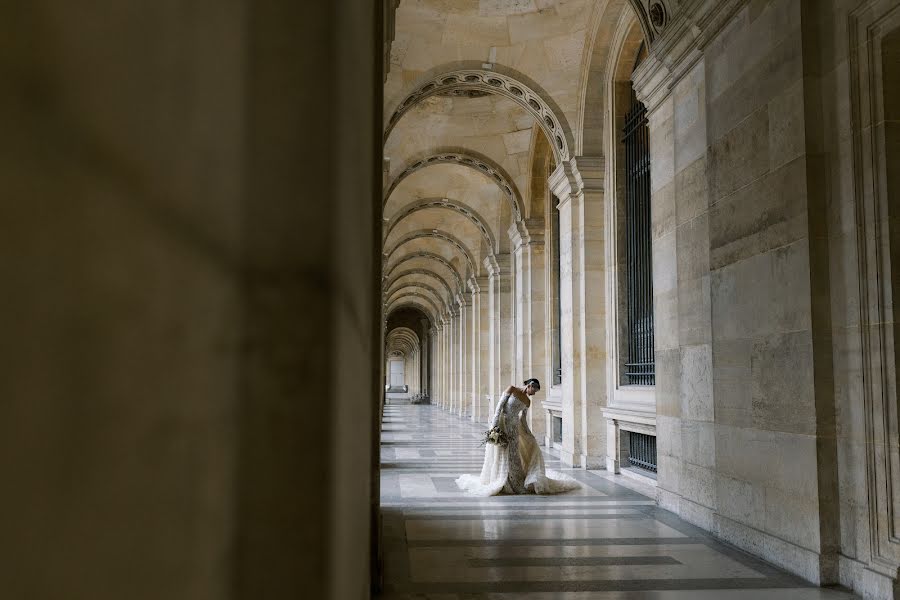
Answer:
(768, 429)
(167, 299)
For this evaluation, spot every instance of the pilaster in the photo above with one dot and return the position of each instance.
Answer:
(579, 186)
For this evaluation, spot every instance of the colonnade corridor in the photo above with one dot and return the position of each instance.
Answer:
(604, 541)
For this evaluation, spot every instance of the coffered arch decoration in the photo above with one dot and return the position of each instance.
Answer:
(492, 82)
(449, 204)
(423, 273)
(426, 256)
(483, 165)
(437, 234)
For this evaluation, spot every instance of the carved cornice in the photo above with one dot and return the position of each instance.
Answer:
(526, 232)
(565, 182)
(680, 46)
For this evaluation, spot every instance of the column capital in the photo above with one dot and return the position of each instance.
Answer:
(526, 231)
(462, 301)
(582, 173)
(472, 283)
(477, 284)
(490, 263)
(498, 264)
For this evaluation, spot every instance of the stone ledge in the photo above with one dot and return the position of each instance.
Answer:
(798, 560)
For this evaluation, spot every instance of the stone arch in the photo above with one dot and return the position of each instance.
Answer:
(429, 256)
(478, 162)
(439, 235)
(423, 272)
(449, 204)
(598, 60)
(389, 302)
(402, 339)
(409, 279)
(535, 103)
(414, 303)
(422, 287)
(541, 157)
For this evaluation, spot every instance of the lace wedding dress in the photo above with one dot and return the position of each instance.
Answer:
(518, 467)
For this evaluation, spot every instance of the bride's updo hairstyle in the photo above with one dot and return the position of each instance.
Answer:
(534, 382)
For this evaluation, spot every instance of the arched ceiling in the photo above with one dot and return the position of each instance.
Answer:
(475, 91)
(403, 341)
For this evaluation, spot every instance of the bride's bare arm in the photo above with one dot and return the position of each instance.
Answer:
(497, 412)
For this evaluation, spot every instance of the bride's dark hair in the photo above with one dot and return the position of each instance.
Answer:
(533, 381)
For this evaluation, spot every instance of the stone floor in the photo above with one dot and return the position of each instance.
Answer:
(606, 541)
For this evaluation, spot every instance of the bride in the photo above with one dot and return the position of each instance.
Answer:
(513, 463)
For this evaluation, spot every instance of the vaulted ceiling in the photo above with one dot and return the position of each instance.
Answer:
(477, 92)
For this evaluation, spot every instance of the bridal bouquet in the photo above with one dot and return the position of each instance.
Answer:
(495, 436)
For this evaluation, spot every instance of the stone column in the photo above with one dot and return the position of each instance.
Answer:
(444, 366)
(579, 186)
(474, 337)
(502, 346)
(491, 317)
(481, 347)
(424, 383)
(463, 376)
(531, 345)
(453, 395)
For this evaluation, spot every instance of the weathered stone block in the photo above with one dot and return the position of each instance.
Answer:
(698, 485)
(732, 382)
(764, 294)
(698, 443)
(662, 211)
(739, 156)
(691, 191)
(696, 383)
(668, 382)
(766, 214)
(787, 138)
(741, 501)
(782, 376)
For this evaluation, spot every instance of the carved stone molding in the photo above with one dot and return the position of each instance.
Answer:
(430, 256)
(868, 25)
(484, 166)
(529, 231)
(388, 283)
(436, 234)
(449, 204)
(494, 83)
(389, 295)
(407, 297)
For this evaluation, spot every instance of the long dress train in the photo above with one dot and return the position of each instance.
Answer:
(517, 468)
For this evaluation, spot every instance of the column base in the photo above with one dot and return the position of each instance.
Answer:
(567, 458)
(592, 462)
(612, 465)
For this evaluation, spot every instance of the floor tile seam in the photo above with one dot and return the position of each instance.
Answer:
(514, 517)
(552, 542)
(593, 585)
(574, 561)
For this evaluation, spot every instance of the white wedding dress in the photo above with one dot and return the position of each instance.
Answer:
(517, 468)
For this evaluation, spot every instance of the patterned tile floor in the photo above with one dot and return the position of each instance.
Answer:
(606, 541)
